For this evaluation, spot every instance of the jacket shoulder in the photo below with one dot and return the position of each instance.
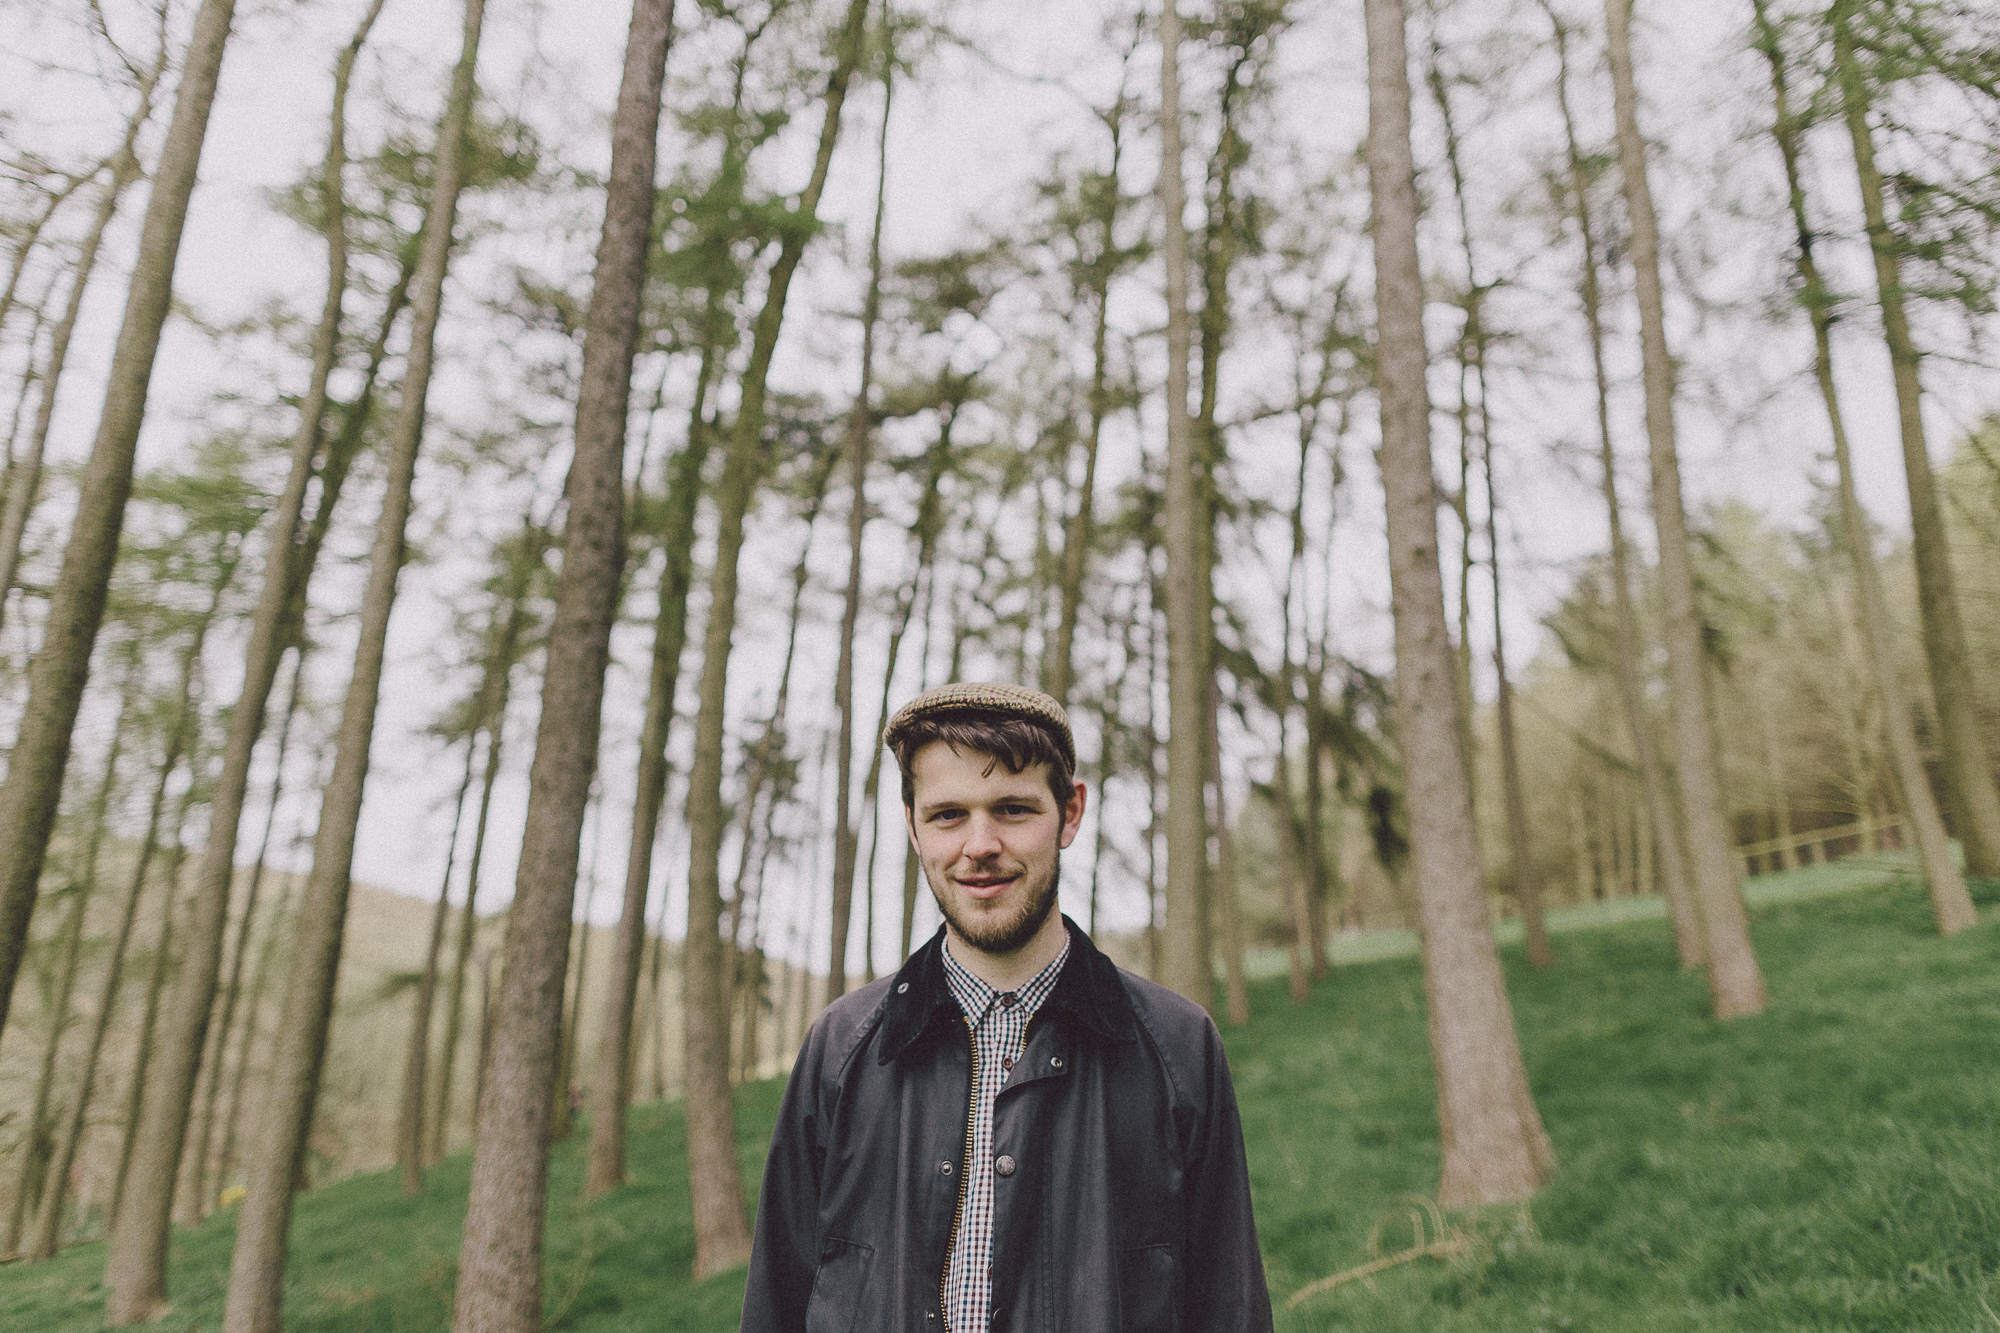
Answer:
(843, 1026)
(1177, 1028)
(1167, 1012)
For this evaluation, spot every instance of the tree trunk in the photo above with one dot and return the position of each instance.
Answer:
(1969, 789)
(136, 1270)
(1494, 1146)
(722, 1237)
(156, 977)
(1951, 904)
(1082, 524)
(497, 688)
(225, 1152)
(197, 1183)
(56, 680)
(24, 477)
(1237, 995)
(254, 1301)
(560, 1112)
(1477, 424)
(1668, 834)
(612, 1078)
(610, 1086)
(1185, 966)
(1735, 982)
(500, 1261)
(416, 1060)
(44, 1165)
(860, 430)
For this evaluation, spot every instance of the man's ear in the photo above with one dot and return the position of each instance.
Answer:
(1073, 813)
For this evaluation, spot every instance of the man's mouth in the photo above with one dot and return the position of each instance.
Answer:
(984, 886)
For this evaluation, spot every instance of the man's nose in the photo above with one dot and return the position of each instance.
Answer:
(982, 836)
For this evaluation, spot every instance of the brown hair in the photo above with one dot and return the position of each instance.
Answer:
(1009, 739)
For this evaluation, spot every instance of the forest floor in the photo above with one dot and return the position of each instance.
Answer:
(1832, 1164)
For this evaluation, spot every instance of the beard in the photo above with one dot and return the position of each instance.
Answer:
(1002, 933)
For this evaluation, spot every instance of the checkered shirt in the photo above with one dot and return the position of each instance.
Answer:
(999, 1023)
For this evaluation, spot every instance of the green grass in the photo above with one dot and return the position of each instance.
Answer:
(1833, 1164)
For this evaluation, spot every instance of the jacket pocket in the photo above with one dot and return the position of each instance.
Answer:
(1148, 1290)
(838, 1286)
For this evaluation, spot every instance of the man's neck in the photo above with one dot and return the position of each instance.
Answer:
(1011, 971)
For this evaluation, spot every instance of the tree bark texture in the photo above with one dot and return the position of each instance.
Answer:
(1735, 982)
(136, 1270)
(416, 1057)
(1495, 1149)
(1186, 968)
(611, 1080)
(1661, 810)
(500, 1261)
(860, 432)
(1970, 791)
(255, 1295)
(56, 679)
(24, 476)
(722, 1237)
(34, 1180)
(204, 1138)
(1951, 903)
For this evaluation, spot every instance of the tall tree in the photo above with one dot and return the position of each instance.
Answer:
(508, 630)
(136, 1268)
(1951, 904)
(719, 217)
(1476, 438)
(24, 475)
(1735, 982)
(1661, 809)
(1186, 966)
(1969, 787)
(1495, 1149)
(33, 786)
(860, 430)
(416, 1058)
(38, 1145)
(255, 1297)
(722, 1237)
(232, 990)
(500, 1260)
(1094, 220)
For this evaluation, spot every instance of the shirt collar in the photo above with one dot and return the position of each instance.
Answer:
(1087, 987)
(976, 998)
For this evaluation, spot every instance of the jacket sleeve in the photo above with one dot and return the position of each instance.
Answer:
(784, 1253)
(1224, 1289)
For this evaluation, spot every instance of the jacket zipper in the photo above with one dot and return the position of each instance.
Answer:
(964, 1181)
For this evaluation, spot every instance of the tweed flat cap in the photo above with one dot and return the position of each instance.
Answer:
(990, 697)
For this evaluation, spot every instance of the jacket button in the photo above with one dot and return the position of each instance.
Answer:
(902, 986)
(944, 1168)
(1003, 1165)
(1055, 1062)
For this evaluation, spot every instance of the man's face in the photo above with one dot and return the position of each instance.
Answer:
(988, 841)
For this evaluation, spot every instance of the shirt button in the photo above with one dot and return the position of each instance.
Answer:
(1007, 1062)
(1003, 1165)
(1008, 999)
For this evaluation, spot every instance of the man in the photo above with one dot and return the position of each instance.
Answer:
(1010, 1133)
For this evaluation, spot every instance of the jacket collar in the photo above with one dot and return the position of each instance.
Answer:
(1088, 989)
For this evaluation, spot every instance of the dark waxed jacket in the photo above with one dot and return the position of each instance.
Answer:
(1128, 1210)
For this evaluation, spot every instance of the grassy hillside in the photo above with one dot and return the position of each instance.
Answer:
(1831, 1165)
